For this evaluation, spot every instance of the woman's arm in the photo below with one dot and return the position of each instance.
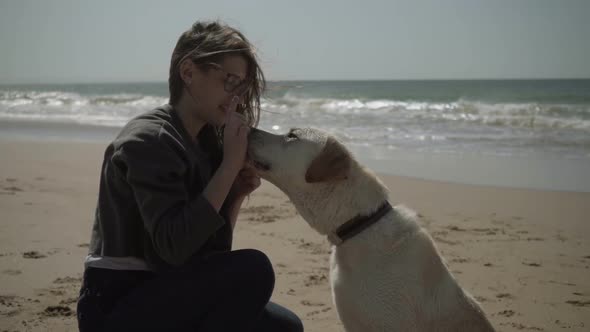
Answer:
(178, 224)
(219, 186)
(235, 203)
(235, 143)
(245, 183)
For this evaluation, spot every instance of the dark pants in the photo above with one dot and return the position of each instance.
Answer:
(227, 291)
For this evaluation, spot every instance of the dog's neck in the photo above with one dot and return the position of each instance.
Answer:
(330, 205)
(358, 224)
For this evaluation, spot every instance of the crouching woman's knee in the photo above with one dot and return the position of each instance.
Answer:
(257, 271)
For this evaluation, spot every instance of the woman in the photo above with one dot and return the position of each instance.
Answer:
(171, 186)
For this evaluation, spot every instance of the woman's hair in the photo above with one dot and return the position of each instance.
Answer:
(209, 42)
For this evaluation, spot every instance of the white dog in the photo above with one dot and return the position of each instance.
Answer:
(386, 273)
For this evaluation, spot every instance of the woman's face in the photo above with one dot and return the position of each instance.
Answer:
(213, 86)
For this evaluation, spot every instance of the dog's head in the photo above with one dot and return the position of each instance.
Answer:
(300, 157)
(316, 171)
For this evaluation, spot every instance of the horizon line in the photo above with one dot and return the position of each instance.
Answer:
(321, 80)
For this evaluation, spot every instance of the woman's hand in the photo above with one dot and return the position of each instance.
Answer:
(235, 137)
(246, 182)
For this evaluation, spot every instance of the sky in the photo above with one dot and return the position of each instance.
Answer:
(83, 41)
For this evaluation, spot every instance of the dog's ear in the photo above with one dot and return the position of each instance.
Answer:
(332, 164)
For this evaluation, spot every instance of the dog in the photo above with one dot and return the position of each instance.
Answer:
(386, 273)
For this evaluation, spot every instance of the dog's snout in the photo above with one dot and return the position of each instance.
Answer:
(253, 139)
(256, 135)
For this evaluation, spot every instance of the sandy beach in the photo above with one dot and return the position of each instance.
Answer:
(523, 254)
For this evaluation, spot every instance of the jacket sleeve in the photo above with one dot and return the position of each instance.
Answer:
(177, 224)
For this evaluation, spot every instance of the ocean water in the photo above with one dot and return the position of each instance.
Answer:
(522, 133)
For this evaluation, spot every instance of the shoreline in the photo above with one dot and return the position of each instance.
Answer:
(537, 171)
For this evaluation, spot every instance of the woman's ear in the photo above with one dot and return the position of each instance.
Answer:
(187, 68)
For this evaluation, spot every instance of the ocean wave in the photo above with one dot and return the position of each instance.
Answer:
(357, 121)
(518, 115)
(59, 106)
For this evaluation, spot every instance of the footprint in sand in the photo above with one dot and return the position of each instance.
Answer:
(312, 304)
(258, 209)
(10, 305)
(481, 298)
(456, 229)
(439, 233)
(264, 218)
(11, 313)
(67, 280)
(316, 279)
(264, 213)
(9, 301)
(579, 303)
(12, 272)
(445, 241)
(460, 260)
(531, 264)
(313, 248)
(566, 325)
(69, 301)
(312, 313)
(315, 312)
(507, 313)
(12, 188)
(500, 223)
(520, 326)
(505, 296)
(488, 231)
(57, 311)
(33, 254)
(65, 288)
(57, 292)
(561, 283)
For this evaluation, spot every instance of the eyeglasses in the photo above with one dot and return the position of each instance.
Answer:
(232, 82)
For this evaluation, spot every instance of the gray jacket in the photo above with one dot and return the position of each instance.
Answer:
(150, 202)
